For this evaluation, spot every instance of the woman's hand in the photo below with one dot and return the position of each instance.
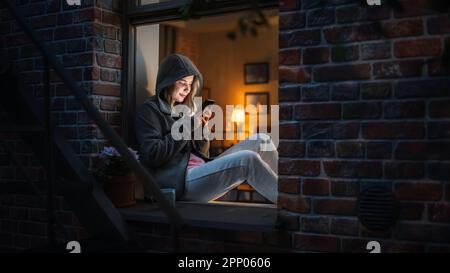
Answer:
(206, 116)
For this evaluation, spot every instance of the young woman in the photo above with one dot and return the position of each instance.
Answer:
(185, 164)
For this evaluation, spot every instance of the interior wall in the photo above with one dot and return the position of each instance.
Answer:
(222, 60)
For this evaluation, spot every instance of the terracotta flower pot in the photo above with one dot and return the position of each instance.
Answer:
(121, 190)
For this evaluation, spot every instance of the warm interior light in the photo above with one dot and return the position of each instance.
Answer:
(238, 116)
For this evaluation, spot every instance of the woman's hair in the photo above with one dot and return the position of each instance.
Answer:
(189, 100)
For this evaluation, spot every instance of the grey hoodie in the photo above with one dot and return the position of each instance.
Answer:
(163, 156)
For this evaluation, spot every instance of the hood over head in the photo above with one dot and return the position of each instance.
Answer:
(171, 69)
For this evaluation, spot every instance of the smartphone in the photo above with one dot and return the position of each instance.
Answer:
(207, 103)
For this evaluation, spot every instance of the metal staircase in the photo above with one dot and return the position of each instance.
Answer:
(31, 118)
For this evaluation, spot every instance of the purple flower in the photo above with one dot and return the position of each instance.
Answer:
(109, 152)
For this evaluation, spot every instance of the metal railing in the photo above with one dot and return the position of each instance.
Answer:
(139, 170)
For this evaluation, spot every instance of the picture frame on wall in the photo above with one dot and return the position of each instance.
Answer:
(257, 98)
(256, 73)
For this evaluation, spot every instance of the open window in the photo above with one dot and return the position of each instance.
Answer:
(222, 51)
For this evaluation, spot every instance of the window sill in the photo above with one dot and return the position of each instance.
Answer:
(222, 215)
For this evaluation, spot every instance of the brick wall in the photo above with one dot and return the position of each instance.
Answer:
(358, 106)
(364, 100)
(187, 43)
(87, 40)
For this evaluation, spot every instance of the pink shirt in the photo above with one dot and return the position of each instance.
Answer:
(194, 161)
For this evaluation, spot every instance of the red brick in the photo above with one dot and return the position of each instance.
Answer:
(294, 203)
(403, 28)
(439, 109)
(111, 18)
(393, 130)
(110, 61)
(374, 51)
(342, 72)
(350, 149)
(316, 243)
(294, 20)
(299, 167)
(80, 59)
(287, 5)
(411, 8)
(438, 129)
(406, 109)
(406, 170)
(288, 221)
(315, 93)
(320, 17)
(423, 88)
(300, 38)
(44, 21)
(318, 111)
(355, 13)
(417, 47)
(291, 149)
(289, 185)
(278, 239)
(252, 237)
(439, 171)
(316, 187)
(106, 89)
(289, 57)
(423, 150)
(411, 210)
(87, 15)
(344, 53)
(294, 74)
(289, 131)
(344, 226)
(439, 212)
(286, 112)
(68, 32)
(398, 69)
(361, 110)
(423, 232)
(110, 104)
(315, 224)
(345, 91)
(345, 34)
(401, 247)
(345, 188)
(320, 149)
(108, 75)
(437, 67)
(289, 94)
(354, 245)
(316, 55)
(439, 24)
(419, 191)
(353, 169)
(334, 206)
(113, 47)
(375, 90)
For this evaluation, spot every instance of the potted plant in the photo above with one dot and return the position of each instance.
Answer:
(116, 178)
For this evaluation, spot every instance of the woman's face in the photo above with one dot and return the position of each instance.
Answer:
(181, 89)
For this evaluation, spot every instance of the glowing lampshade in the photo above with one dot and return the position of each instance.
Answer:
(238, 116)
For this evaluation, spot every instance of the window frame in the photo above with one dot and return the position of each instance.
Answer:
(134, 16)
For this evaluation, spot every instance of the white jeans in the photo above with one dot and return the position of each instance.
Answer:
(245, 161)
